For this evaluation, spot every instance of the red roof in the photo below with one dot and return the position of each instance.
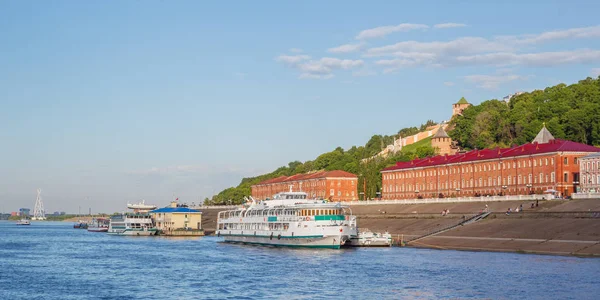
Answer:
(486, 154)
(320, 174)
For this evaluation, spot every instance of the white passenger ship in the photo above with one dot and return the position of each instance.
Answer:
(136, 223)
(290, 219)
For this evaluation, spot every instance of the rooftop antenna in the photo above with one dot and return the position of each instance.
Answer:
(38, 211)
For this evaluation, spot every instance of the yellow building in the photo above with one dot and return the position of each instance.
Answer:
(173, 218)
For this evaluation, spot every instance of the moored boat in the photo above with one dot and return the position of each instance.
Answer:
(133, 224)
(24, 221)
(367, 238)
(99, 225)
(290, 220)
(141, 206)
(80, 225)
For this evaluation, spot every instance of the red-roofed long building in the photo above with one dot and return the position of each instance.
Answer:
(545, 164)
(339, 185)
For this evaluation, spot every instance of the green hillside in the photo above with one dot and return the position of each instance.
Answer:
(570, 112)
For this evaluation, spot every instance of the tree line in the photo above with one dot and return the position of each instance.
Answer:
(570, 112)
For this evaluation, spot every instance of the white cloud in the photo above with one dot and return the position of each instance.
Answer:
(506, 53)
(291, 59)
(347, 48)
(382, 31)
(319, 69)
(449, 25)
(573, 33)
(407, 60)
(448, 83)
(295, 50)
(455, 47)
(315, 76)
(492, 82)
(541, 59)
(595, 72)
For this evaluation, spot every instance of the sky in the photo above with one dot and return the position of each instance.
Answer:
(108, 102)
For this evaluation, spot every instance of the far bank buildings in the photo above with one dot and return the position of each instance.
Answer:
(544, 165)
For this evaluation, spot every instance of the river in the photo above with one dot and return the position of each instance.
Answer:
(51, 260)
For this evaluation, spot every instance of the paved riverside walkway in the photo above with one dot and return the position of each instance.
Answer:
(514, 239)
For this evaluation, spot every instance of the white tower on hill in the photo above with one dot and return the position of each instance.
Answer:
(38, 211)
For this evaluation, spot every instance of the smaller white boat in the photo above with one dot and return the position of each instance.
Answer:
(367, 238)
(99, 225)
(24, 222)
(141, 206)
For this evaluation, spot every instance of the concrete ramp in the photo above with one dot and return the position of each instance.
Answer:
(470, 220)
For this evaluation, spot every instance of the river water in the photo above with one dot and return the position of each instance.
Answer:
(51, 260)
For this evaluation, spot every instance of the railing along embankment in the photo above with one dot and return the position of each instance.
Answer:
(450, 200)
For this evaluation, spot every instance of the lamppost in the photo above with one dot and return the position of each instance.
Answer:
(504, 187)
(364, 186)
(458, 192)
(417, 194)
(528, 188)
(501, 182)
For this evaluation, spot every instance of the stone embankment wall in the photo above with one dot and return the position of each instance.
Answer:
(553, 227)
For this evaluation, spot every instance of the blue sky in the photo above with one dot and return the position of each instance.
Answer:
(104, 103)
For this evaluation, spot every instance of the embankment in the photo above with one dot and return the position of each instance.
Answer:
(554, 227)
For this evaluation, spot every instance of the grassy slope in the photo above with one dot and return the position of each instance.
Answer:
(413, 147)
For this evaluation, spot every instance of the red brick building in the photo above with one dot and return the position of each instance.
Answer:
(339, 185)
(544, 164)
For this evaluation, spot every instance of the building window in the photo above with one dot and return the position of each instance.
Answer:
(546, 161)
(566, 177)
(534, 163)
(566, 161)
(541, 178)
(575, 160)
(529, 178)
(339, 193)
(331, 192)
(552, 177)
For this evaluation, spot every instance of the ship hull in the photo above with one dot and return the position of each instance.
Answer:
(330, 242)
(375, 242)
(132, 232)
(96, 229)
